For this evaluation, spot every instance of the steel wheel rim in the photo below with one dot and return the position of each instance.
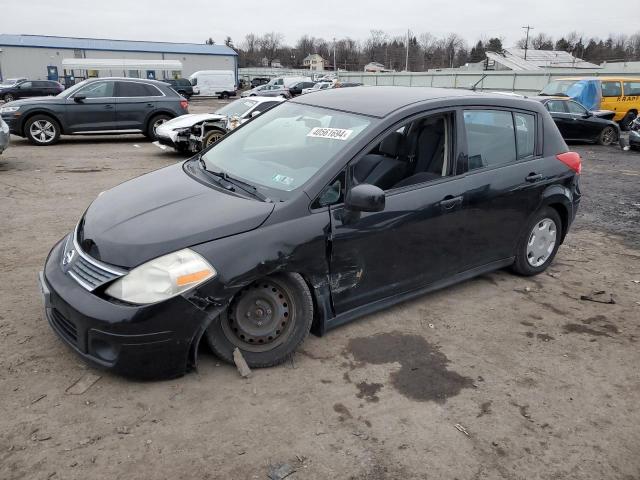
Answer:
(260, 317)
(42, 131)
(542, 241)
(213, 138)
(608, 136)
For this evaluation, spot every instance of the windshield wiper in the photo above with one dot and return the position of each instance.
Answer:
(231, 182)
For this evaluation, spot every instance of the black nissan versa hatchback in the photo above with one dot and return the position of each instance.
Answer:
(323, 209)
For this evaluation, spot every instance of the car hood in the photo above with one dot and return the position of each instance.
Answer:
(161, 212)
(606, 114)
(191, 119)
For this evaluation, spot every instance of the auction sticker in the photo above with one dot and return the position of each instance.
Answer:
(334, 133)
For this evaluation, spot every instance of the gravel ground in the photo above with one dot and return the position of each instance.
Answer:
(497, 377)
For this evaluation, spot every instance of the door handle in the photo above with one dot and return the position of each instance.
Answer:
(149, 105)
(533, 177)
(449, 202)
(108, 107)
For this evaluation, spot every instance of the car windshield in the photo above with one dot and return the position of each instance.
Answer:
(285, 146)
(558, 87)
(71, 90)
(237, 108)
(9, 82)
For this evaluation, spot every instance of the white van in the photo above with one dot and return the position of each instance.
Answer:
(215, 83)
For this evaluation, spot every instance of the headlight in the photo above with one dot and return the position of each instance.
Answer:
(162, 278)
(9, 109)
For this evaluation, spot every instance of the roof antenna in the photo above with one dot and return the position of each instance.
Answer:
(475, 85)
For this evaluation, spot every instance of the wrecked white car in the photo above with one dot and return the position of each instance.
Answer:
(195, 131)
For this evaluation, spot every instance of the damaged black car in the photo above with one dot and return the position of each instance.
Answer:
(321, 210)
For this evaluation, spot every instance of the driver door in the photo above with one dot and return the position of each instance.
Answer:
(414, 241)
(95, 112)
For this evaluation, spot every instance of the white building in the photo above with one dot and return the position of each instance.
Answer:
(40, 57)
(314, 62)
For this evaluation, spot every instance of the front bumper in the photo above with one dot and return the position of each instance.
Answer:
(13, 122)
(147, 341)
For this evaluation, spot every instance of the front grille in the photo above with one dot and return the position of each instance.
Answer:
(65, 326)
(91, 274)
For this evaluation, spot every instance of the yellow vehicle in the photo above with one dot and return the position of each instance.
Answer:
(619, 94)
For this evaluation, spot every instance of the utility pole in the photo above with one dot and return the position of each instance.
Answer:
(335, 69)
(406, 63)
(526, 42)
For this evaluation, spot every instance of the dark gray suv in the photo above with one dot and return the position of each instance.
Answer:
(100, 105)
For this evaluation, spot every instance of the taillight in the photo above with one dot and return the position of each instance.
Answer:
(571, 160)
(184, 104)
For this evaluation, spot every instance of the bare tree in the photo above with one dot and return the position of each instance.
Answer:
(269, 44)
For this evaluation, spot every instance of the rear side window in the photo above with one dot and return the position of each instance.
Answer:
(631, 88)
(556, 106)
(611, 89)
(525, 134)
(136, 89)
(490, 138)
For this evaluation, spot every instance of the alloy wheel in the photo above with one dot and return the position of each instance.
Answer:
(8, 98)
(42, 131)
(542, 241)
(608, 136)
(213, 138)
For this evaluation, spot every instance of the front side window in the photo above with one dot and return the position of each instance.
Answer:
(611, 89)
(285, 146)
(576, 108)
(25, 85)
(415, 153)
(490, 138)
(97, 90)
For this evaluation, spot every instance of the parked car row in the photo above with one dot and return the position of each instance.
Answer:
(23, 88)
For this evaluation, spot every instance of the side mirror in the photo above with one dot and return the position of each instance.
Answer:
(255, 113)
(79, 98)
(365, 198)
(588, 114)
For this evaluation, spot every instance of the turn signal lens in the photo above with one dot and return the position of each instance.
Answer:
(571, 160)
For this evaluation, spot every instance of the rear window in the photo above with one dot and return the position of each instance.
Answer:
(631, 88)
(137, 89)
(490, 138)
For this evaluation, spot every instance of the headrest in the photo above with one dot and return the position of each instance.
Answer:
(390, 146)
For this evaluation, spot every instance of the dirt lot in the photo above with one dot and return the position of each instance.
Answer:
(498, 377)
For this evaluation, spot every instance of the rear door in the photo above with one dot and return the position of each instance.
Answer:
(135, 102)
(505, 180)
(96, 112)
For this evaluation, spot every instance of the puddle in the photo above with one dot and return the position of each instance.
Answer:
(423, 373)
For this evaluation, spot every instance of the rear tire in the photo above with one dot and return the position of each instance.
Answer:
(42, 130)
(608, 136)
(155, 122)
(267, 321)
(539, 243)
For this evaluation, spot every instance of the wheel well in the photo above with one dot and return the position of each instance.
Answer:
(564, 217)
(30, 115)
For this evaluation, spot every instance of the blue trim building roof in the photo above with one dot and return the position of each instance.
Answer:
(44, 41)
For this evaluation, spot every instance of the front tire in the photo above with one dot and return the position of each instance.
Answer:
(42, 130)
(212, 137)
(267, 321)
(8, 98)
(608, 136)
(539, 243)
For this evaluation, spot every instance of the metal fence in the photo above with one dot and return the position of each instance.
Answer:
(526, 83)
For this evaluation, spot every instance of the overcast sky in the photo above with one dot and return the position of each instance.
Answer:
(197, 20)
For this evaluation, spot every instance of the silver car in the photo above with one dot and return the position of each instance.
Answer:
(4, 135)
